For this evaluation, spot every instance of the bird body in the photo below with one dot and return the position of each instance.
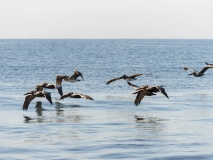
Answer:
(76, 95)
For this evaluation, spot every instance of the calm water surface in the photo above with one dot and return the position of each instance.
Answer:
(110, 127)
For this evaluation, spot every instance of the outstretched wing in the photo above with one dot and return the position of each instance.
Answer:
(112, 80)
(27, 101)
(50, 86)
(78, 95)
(162, 90)
(47, 95)
(31, 92)
(65, 95)
(59, 88)
(135, 75)
(76, 75)
(132, 85)
(86, 97)
(139, 98)
(187, 68)
(205, 68)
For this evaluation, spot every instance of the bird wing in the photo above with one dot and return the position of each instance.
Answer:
(132, 85)
(78, 95)
(112, 80)
(152, 89)
(187, 68)
(65, 96)
(135, 75)
(27, 101)
(208, 64)
(142, 88)
(76, 74)
(59, 79)
(59, 88)
(162, 90)
(47, 95)
(50, 86)
(204, 69)
(139, 98)
(86, 97)
(31, 92)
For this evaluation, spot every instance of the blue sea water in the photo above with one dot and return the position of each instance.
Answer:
(110, 127)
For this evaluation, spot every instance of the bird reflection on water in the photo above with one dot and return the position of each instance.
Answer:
(59, 114)
(39, 108)
(150, 126)
(60, 105)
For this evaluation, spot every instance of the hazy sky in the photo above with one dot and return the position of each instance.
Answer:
(106, 19)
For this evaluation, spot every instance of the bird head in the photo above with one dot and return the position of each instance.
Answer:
(44, 84)
(124, 76)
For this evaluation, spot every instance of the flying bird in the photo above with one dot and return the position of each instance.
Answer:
(146, 91)
(29, 97)
(73, 78)
(200, 73)
(153, 89)
(57, 85)
(124, 77)
(76, 95)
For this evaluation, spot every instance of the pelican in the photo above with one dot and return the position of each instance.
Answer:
(200, 73)
(124, 77)
(146, 91)
(29, 97)
(73, 78)
(76, 95)
(57, 85)
(153, 89)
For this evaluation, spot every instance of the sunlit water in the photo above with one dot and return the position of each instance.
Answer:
(110, 127)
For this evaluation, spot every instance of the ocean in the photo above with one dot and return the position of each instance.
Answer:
(111, 126)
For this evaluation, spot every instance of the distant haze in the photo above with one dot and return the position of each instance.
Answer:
(106, 19)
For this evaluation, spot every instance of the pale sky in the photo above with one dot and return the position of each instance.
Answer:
(106, 19)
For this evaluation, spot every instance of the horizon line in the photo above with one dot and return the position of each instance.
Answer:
(106, 38)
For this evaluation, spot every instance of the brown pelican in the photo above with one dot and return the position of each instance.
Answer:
(146, 91)
(73, 78)
(57, 85)
(76, 95)
(153, 89)
(124, 77)
(200, 73)
(29, 97)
